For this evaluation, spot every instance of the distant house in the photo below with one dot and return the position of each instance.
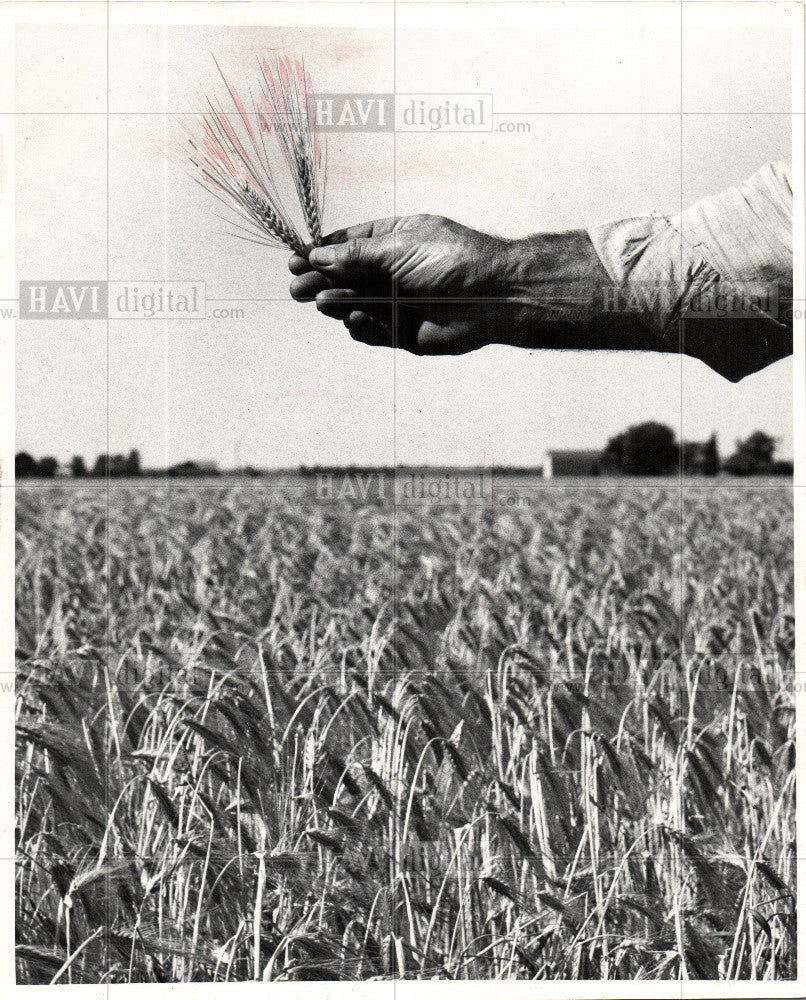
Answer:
(571, 462)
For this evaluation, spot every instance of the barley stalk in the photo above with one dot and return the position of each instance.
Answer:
(559, 807)
(270, 220)
(234, 161)
(310, 202)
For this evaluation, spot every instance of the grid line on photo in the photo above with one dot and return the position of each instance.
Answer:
(108, 556)
(681, 930)
(395, 875)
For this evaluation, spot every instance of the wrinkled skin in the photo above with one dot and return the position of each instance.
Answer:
(421, 282)
(432, 286)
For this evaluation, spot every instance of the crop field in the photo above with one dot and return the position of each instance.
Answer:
(348, 740)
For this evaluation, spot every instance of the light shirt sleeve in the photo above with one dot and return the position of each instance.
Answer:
(728, 256)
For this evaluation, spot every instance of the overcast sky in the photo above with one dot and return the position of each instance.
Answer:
(285, 385)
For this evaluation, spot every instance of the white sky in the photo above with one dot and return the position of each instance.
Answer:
(286, 385)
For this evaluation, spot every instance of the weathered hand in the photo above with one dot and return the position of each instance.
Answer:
(422, 282)
(432, 286)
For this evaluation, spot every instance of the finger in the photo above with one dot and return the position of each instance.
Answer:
(379, 310)
(308, 286)
(366, 330)
(337, 303)
(297, 264)
(409, 320)
(358, 262)
(381, 325)
(457, 337)
(364, 230)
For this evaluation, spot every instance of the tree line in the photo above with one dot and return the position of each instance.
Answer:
(651, 449)
(648, 449)
(26, 465)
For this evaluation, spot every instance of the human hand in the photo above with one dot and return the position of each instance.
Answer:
(422, 282)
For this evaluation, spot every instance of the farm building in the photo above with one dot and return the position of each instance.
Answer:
(571, 462)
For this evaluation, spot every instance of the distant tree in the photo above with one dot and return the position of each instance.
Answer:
(753, 456)
(700, 458)
(646, 449)
(77, 466)
(133, 463)
(188, 468)
(191, 468)
(710, 458)
(25, 465)
(118, 466)
(47, 467)
(114, 466)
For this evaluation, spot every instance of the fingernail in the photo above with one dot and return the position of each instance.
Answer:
(322, 255)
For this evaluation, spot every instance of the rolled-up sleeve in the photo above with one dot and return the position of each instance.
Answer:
(727, 258)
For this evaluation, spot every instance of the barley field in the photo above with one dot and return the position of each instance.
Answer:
(348, 740)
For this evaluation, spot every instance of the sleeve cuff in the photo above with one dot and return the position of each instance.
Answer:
(655, 273)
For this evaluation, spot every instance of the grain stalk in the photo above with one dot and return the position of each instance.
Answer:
(233, 161)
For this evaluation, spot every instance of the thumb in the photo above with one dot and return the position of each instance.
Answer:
(362, 259)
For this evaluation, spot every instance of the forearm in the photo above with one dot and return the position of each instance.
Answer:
(712, 283)
(559, 296)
